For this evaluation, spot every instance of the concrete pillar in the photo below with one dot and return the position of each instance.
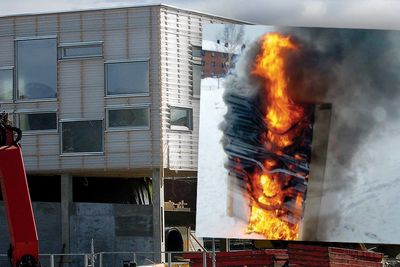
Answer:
(320, 140)
(158, 215)
(66, 201)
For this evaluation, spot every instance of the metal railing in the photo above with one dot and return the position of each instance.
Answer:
(97, 259)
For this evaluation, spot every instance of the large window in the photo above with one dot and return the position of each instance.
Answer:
(81, 50)
(37, 68)
(38, 121)
(196, 76)
(181, 118)
(127, 78)
(6, 84)
(82, 136)
(135, 117)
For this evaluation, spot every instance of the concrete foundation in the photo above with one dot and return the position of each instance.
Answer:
(113, 227)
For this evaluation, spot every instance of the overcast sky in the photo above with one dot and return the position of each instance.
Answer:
(380, 14)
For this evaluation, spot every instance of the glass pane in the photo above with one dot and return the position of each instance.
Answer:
(196, 51)
(37, 68)
(6, 85)
(82, 51)
(82, 136)
(128, 78)
(181, 117)
(38, 121)
(196, 79)
(138, 117)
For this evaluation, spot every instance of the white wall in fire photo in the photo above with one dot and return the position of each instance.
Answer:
(300, 134)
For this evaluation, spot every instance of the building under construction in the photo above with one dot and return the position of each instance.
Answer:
(108, 102)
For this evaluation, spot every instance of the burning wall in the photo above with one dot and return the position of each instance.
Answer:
(267, 137)
(356, 71)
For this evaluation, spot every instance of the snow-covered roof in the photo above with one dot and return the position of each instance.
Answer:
(221, 47)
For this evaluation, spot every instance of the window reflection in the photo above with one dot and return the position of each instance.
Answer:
(82, 136)
(127, 78)
(181, 118)
(38, 121)
(134, 117)
(6, 84)
(197, 68)
(37, 68)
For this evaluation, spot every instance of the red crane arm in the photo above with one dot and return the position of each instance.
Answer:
(21, 222)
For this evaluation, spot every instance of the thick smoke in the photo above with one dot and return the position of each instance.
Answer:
(354, 70)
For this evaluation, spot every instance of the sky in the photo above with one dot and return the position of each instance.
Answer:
(377, 14)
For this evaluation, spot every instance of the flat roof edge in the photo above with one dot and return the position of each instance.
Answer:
(161, 5)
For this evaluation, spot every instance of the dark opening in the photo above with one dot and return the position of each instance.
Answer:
(173, 240)
(45, 188)
(112, 190)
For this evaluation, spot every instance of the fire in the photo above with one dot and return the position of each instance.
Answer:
(269, 189)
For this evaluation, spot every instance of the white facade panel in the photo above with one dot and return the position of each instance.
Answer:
(7, 27)
(47, 25)
(93, 24)
(70, 27)
(6, 51)
(138, 34)
(163, 36)
(25, 27)
(69, 89)
(92, 89)
(116, 27)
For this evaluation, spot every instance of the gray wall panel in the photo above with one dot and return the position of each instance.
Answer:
(6, 51)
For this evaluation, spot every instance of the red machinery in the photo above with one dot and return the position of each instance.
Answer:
(24, 247)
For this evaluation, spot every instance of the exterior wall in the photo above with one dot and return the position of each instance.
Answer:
(127, 34)
(180, 30)
(160, 34)
(113, 227)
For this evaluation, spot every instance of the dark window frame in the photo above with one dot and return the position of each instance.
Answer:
(16, 85)
(180, 127)
(61, 127)
(196, 94)
(63, 46)
(25, 112)
(106, 79)
(129, 107)
(12, 69)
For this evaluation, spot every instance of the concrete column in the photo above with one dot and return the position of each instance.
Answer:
(158, 214)
(319, 149)
(66, 201)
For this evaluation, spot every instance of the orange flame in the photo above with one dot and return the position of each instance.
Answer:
(282, 114)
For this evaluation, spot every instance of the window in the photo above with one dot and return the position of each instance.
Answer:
(181, 118)
(137, 117)
(37, 68)
(196, 51)
(82, 136)
(37, 121)
(124, 78)
(6, 84)
(212, 63)
(81, 50)
(196, 76)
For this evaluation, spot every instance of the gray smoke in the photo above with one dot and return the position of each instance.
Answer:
(356, 71)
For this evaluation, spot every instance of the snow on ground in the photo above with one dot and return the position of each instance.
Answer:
(212, 190)
(366, 211)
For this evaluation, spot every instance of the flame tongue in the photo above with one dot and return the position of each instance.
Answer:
(281, 112)
(276, 206)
